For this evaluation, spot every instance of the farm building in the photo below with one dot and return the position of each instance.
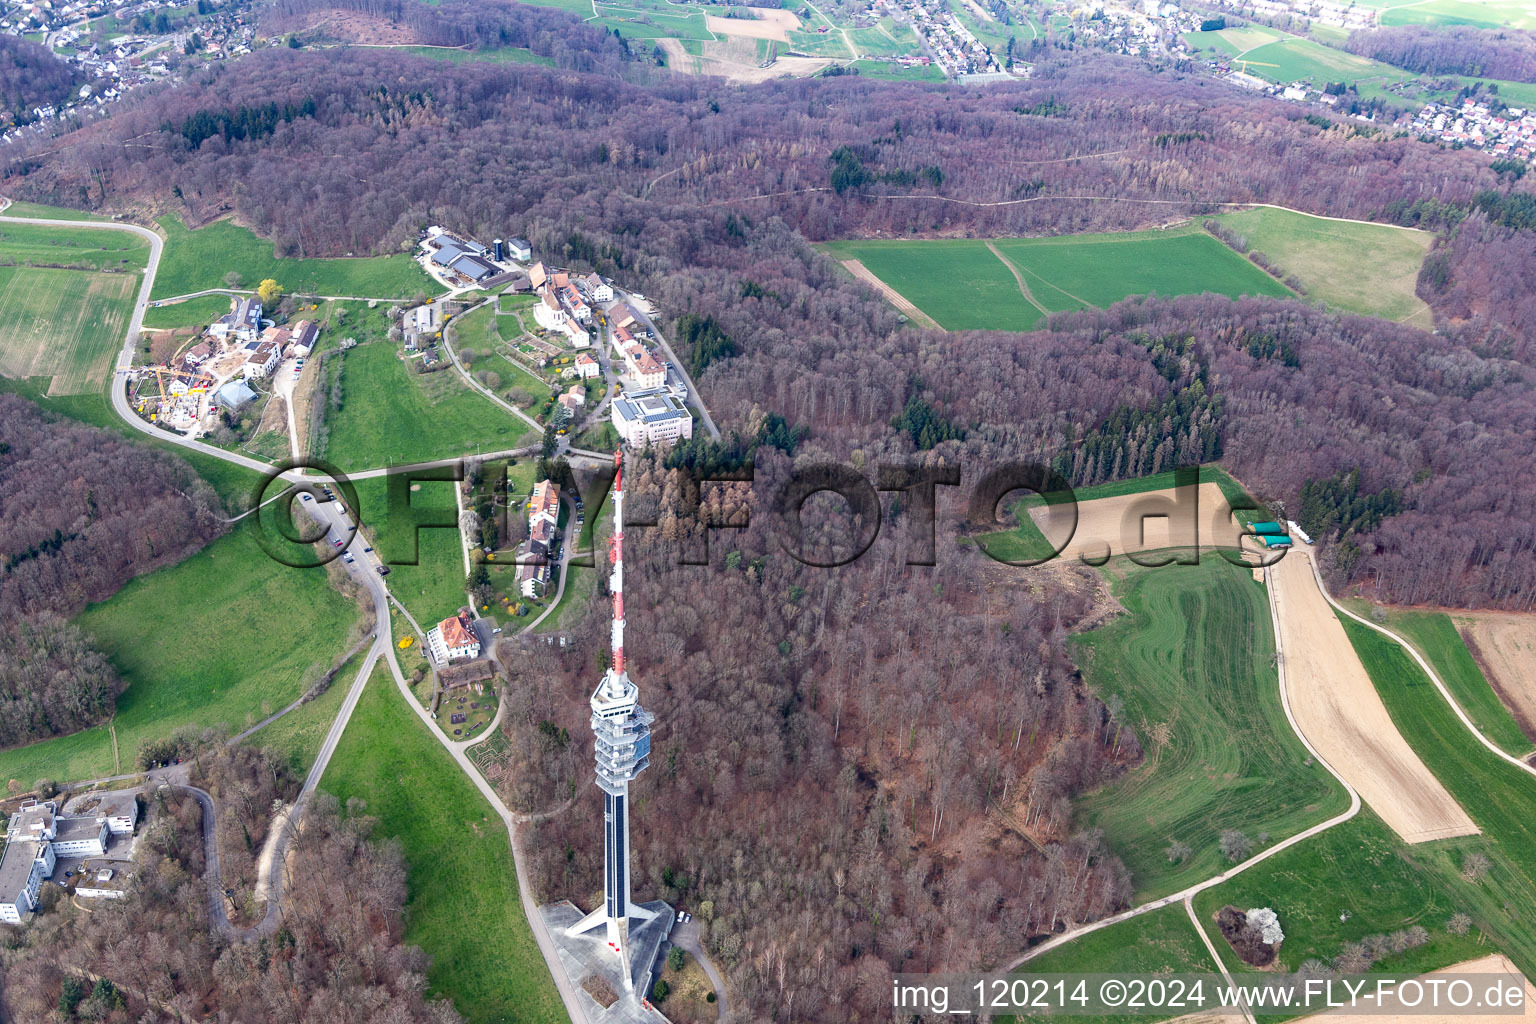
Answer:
(234, 395)
(1269, 528)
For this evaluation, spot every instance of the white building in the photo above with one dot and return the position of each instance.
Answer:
(597, 289)
(549, 313)
(22, 870)
(454, 638)
(654, 416)
(587, 366)
(519, 249)
(261, 360)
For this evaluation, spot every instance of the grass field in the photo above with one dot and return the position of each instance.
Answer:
(433, 588)
(195, 260)
(41, 212)
(87, 248)
(1025, 541)
(1477, 13)
(1158, 942)
(495, 55)
(896, 73)
(296, 737)
(1195, 650)
(1360, 268)
(222, 638)
(965, 284)
(63, 324)
(1499, 797)
(391, 415)
(1361, 872)
(462, 903)
(1436, 637)
(198, 312)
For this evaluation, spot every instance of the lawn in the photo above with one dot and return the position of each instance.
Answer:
(1351, 881)
(1195, 650)
(296, 737)
(1499, 797)
(87, 248)
(462, 903)
(195, 260)
(223, 638)
(965, 285)
(1437, 638)
(1158, 942)
(433, 588)
(198, 312)
(64, 324)
(1360, 268)
(390, 415)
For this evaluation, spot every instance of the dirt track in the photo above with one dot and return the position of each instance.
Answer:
(1339, 711)
(1103, 527)
(1505, 646)
(894, 297)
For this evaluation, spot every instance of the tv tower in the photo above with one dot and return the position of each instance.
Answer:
(622, 732)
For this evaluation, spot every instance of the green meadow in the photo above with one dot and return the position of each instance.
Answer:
(1013, 283)
(462, 904)
(196, 260)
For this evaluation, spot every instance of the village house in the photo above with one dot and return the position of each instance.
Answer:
(573, 401)
(587, 366)
(544, 503)
(571, 299)
(597, 289)
(261, 359)
(454, 638)
(646, 370)
(304, 334)
(242, 325)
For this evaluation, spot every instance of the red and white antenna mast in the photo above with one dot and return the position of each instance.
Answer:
(616, 556)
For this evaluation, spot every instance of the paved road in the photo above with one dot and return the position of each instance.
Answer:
(686, 936)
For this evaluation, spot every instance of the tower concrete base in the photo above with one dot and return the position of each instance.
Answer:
(586, 953)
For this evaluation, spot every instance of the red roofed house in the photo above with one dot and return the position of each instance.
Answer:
(454, 638)
(587, 367)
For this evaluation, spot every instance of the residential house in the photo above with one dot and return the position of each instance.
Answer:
(261, 359)
(622, 316)
(454, 638)
(597, 289)
(304, 334)
(198, 354)
(645, 368)
(242, 325)
(544, 503)
(571, 299)
(538, 275)
(573, 401)
(587, 366)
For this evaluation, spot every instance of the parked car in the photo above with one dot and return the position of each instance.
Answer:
(337, 542)
(367, 548)
(383, 570)
(309, 497)
(348, 558)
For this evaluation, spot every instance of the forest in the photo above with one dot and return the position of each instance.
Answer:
(81, 513)
(870, 768)
(1503, 53)
(30, 77)
(337, 959)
